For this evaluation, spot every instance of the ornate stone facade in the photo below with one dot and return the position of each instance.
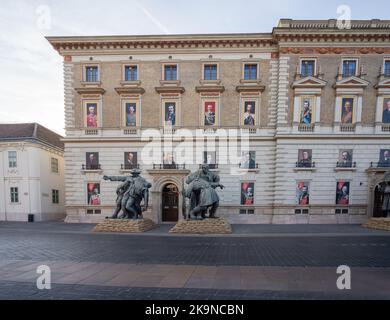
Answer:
(316, 91)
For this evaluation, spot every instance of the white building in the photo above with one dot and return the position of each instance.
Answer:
(31, 173)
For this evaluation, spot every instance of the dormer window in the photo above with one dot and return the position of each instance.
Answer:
(92, 74)
(349, 68)
(308, 68)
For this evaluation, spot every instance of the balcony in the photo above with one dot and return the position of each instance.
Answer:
(385, 128)
(380, 164)
(128, 167)
(91, 168)
(243, 166)
(306, 127)
(345, 166)
(169, 166)
(305, 166)
(91, 132)
(350, 127)
(249, 168)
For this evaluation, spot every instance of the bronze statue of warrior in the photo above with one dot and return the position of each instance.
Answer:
(201, 193)
(130, 194)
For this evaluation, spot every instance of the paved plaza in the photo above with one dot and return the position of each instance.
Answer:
(255, 262)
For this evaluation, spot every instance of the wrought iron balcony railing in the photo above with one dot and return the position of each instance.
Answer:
(129, 166)
(380, 164)
(250, 166)
(347, 164)
(91, 167)
(305, 164)
(169, 166)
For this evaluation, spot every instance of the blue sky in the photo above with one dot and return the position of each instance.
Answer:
(31, 84)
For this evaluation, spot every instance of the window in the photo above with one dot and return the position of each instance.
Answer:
(308, 68)
(386, 69)
(246, 211)
(54, 165)
(55, 196)
(131, 73)
(94, 211)
(14, 195)
(170, 72)
(210, 72)
(12, 160)
(250, 72)
(349, 68)
(92, 74)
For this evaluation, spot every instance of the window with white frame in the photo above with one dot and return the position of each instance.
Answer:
(250, 71)
(131, 73)
(308, 67)
(14, 193)
(91, 73)
(349, 68)
(210, 72)
(12, 159)
(170, 72)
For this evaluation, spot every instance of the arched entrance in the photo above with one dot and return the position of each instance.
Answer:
(170, 203)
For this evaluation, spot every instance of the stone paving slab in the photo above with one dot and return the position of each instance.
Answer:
(369, 280)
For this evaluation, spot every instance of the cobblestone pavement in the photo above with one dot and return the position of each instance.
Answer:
(104, 266)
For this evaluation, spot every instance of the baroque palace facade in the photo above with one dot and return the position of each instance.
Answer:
(310, 101)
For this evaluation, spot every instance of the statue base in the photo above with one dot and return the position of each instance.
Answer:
(125, 225)
(378, 223)
(207, 226)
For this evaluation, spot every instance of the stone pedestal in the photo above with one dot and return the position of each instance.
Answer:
(378, 223)
(207, 226)
(125, 226)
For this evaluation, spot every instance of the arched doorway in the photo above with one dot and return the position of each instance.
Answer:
(170, 203)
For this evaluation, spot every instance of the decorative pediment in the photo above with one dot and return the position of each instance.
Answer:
(384, 83)
(90, 90)
(309, 82)
(130, 90)
(352, 82)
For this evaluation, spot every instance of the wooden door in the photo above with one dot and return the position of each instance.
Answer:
(170, 204)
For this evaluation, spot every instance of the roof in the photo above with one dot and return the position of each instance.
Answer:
(30, 131)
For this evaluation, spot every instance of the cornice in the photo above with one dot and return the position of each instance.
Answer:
(87, 44)
(318, 49)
